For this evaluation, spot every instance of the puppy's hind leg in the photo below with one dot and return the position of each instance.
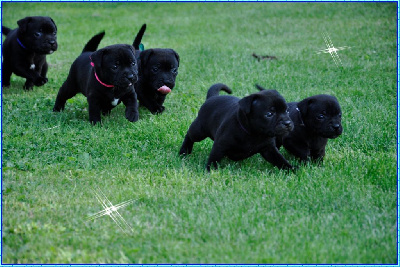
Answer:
(194, 134)
(67, 91)
(6, 74)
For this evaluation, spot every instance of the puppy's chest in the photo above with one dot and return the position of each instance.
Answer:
(110, 99)
(34, 61)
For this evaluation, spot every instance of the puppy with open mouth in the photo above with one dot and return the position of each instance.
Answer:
(158, 69)
(316, 119)
(240, 128)
(106, 77)
(25, 49)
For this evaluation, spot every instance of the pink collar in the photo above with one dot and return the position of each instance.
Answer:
(97, 78)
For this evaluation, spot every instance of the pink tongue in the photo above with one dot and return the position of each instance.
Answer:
(164, 90)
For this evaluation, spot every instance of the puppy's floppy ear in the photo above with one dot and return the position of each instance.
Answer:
(246, 103)
(304, 104)
(97, 57)
(131, 48)
(55, 26)
(144, 56)
(176, 55)
(23, 23)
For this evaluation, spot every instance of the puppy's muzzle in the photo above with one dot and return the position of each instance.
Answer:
(133, 78)
(284, 127)
(49, 46)
(336, 130)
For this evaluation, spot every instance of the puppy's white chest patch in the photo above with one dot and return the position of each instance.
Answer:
(115, 102)
(32, 67)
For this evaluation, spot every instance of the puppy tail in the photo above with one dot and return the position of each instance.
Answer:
(5, 30)
(139, 36)
(260, 88)
(93, 43)
(216, 88)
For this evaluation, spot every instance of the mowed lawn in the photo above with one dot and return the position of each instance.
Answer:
(54, 164)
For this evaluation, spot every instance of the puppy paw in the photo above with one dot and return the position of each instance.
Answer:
(28, 87)
(40, 81)
(94, 122)
(159, 110)
(132, 116)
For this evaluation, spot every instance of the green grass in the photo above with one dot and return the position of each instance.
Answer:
(343, 211)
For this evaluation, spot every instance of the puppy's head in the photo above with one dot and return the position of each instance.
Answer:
(322, 115)
(266, 113)
(159, 68)
(38, 34)
(116, 65)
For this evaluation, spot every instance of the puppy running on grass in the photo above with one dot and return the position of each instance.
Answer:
(25, 49)
(106, 77)
(316, 119)
(240, 128)
(158, 68)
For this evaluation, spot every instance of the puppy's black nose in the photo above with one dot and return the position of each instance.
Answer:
(336, 127)
(131, 77)
(52, 42)
(287, 123)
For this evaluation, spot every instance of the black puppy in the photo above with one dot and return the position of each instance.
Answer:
(158, 69)
(240, 128)
(316, 119)
(25, 49)
(105, 77)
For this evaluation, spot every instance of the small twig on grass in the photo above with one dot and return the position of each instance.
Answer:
(259, 58)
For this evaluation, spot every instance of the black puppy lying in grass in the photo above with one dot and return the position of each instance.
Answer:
(316, 119)
(240, 128)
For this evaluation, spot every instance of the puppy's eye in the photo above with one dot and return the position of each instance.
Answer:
(154, 69)
(174, 70)
(54, 33)
(340, 115)
(115, 66)
(37, 34)
(133, 63)
(269, 114)
(320, 116)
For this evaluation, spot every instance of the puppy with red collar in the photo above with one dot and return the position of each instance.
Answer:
(106, 77)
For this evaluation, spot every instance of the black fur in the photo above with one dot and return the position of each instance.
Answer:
(114, 65)
(158, 69)
(316, 119)
(25, 49)
(240, 128)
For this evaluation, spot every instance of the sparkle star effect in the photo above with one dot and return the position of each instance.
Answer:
(112, 211)
(332, 50)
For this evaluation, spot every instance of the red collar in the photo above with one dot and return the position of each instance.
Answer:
(97, 78)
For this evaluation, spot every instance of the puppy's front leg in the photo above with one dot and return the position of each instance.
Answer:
(147, 101)
(131, 111)
(32, 77)
(273, 156)
(94, 110)
(216, 155)
(298, 149)
(317, 155)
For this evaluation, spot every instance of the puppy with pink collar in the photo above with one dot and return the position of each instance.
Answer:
(106, 77)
